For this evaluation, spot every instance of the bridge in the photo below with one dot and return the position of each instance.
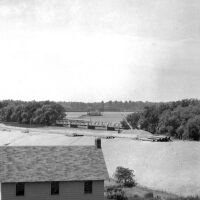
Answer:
(76, 123)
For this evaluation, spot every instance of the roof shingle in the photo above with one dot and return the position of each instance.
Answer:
(51, 163)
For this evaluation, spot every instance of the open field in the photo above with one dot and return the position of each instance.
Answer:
(172, 167)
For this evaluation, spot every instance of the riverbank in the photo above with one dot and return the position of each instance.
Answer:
(134, 134)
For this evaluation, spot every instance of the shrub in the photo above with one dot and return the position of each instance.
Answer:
(149, 195)
(125, 176)
(116, 193)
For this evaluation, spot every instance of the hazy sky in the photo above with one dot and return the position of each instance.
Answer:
(93, 50)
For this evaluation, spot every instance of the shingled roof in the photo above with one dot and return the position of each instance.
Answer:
(51, 163)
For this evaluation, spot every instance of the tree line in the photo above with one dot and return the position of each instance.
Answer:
(112, 106)
(179, 119)
(33, 112)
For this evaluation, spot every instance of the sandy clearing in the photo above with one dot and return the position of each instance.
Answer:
(17, 138)
(133, 134)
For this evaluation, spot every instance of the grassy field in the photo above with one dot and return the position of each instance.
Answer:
(140, 191)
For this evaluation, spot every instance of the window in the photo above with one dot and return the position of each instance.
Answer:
(54, 188)
(20, 189)
(88, 187)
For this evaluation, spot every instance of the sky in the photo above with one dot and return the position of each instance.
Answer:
(94, 50)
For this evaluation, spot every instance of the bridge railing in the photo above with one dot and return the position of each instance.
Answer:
(80, 122)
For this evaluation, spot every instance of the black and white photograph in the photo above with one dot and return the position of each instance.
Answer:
(99, 99)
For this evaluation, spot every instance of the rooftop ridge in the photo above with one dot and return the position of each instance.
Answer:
(47, 163)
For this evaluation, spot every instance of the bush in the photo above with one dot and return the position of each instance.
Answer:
(149, 195)
(116, 193)
(125, 176)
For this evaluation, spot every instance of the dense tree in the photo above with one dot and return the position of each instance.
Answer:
(117, 106)
(149, 118)
(44, 113)
(193, 128)
(133, 119)
(180, 119)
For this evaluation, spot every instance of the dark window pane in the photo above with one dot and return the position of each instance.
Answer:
(54, 188)
(20, 189)
(88, 187)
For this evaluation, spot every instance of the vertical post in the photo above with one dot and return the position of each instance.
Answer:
(98, 143)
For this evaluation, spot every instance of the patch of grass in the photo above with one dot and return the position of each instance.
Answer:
(142, 193)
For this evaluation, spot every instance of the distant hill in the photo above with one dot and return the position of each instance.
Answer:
(114, 106)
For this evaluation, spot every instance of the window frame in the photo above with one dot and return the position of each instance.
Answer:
(57, 184)
(86, 190)
(20, 191)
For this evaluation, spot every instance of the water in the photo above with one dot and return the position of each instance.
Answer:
(115, 117)
(172, 167)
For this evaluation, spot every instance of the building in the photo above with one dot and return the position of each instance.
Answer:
(52, 172)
